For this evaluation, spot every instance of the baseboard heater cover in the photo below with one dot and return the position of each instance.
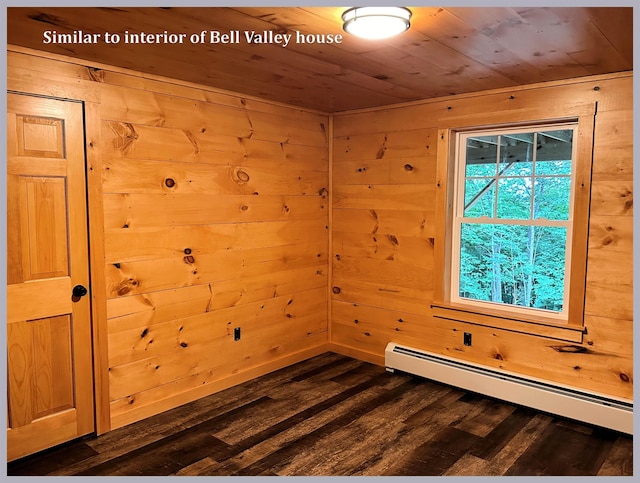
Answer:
(572, 403)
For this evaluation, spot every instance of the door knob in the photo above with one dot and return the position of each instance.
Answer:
(79, 291)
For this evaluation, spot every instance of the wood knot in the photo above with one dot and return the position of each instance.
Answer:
(189, 259)
(608, 240)
(596, 88)
(574, 349)
(241, 176)
(144, 333)
(392, 239)
(323, 192)
(183, 344)
(337, 256)
(336, 290)
(187, 251)
(408, 167)
(244, 207)
(624, 377)
(124, 290)
(499, 357)
(169, 182)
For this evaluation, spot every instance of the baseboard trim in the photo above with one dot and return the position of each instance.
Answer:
(361, 355)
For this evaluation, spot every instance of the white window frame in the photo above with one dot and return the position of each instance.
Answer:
(458, 218)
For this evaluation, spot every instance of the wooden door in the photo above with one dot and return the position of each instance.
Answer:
(49, 358)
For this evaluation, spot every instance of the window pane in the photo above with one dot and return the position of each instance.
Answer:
(553, 152)
(551, 199)
(514, 198)
(479, 197)
(553, 168)
(513, 264)
(482, 155)
(516, 154)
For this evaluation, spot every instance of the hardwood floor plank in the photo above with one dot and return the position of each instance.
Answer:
(493, 442)
(367, 440)
(332, 415)
(277, 460)
(617, 462)
(289, 436)
(194, 469)
(356, 375)
(322, 370)
(499, 464)
(467, 465)
(120, 464)
(561, 451)
(52, 460)
(483, 416)
(434, 457)
(296, 418)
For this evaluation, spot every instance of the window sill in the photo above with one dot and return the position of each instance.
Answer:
(514, 322)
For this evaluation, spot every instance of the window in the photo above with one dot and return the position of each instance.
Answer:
(512, 219)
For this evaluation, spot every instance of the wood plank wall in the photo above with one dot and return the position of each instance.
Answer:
(384, 233)
(209, 211)
(214, 217)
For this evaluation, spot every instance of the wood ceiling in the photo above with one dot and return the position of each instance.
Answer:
(446, 51)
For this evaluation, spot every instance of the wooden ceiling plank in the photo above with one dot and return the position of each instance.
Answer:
(293, 59)
(461, 37)
(257, 78)
(448, 50)
(512, 31)
(616, 24)
(599, 49)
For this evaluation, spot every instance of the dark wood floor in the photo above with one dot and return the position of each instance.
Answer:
(332, 415)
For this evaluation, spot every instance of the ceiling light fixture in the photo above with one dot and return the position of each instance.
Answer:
(376, 22)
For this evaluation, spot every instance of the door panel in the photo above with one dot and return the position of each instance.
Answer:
(44, 227)
(49, 359)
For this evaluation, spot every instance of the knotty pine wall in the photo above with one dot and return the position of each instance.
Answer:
(213, 215)
(384, 232)
(210, 211)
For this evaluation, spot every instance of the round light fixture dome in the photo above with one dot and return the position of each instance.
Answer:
(376, 22)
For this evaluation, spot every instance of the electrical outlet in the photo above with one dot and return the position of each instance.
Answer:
(467, 338)
(236, 333)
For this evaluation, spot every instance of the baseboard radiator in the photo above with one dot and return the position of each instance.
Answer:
(592, 408)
